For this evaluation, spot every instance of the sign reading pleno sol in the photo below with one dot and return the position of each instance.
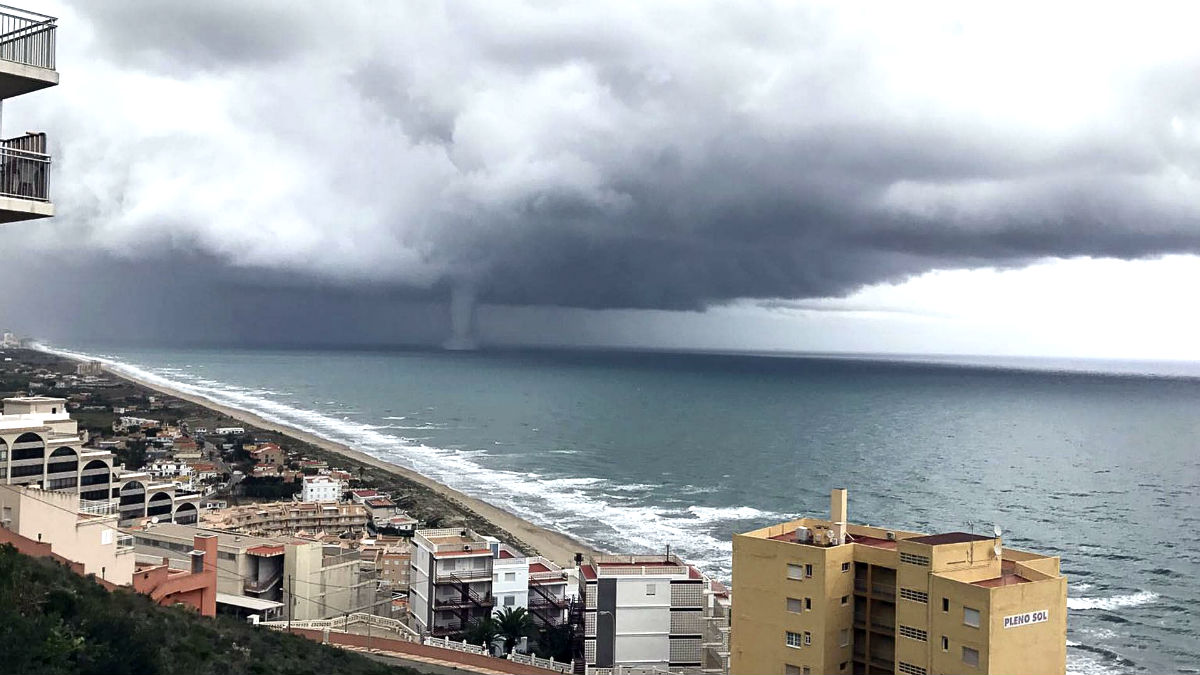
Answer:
(1027, 618)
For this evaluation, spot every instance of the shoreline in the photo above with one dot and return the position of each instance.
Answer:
(557, 546)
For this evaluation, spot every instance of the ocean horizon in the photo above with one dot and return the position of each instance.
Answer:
(635, 450)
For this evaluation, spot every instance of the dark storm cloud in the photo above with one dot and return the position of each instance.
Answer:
(650, 156)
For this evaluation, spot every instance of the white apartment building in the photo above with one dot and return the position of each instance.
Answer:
(644, 611)
(320, 489)
(450, 583)
(533, 582)
(40, 445)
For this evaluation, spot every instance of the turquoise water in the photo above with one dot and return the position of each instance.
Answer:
(634, 452)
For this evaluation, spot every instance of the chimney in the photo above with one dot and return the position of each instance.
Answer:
(205, 546)
(837, 513)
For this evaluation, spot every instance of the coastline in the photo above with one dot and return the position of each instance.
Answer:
(557, 546)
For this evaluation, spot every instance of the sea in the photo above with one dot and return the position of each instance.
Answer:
(1096, 462)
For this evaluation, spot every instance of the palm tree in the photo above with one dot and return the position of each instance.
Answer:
(514, 623)
(482, 631)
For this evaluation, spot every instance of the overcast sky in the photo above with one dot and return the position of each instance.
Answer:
(1017, 179)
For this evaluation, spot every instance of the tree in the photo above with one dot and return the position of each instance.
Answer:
(482, 631)
(557, 642)
(514, 623)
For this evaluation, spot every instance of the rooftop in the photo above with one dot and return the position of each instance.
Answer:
(949, 538)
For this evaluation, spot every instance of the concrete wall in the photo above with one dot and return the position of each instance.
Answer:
(51, 517)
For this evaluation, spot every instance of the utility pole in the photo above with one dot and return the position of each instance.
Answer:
(291, 603)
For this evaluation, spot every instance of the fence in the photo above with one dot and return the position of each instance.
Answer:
(27, 37)
(25, 167)
(537, 662)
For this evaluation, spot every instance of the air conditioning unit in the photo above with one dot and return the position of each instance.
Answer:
(891, 536)
(466, 547)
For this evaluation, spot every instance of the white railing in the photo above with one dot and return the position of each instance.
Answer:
(463, 646)
(97, 508)
(339, 623)
(628, 670)
(538, 662)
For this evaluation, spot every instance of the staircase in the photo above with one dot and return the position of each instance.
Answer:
(469, 598)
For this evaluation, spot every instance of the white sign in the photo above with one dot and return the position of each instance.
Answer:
(1026, 618)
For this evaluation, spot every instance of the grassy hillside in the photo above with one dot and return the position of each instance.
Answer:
(53, 621)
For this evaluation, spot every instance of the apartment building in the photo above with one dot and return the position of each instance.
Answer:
(40, 445)
(827, 596)
(320, 489)
(78, 531)
(450, 583)
(534, 583)
(289, 518)
(27, 64)
(644, 611)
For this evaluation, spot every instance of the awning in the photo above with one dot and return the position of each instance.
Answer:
(247, 602)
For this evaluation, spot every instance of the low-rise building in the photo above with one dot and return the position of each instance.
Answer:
(531, 582)
(827, 596)
(320, 489)
(195, 587)
(269, 454)
(289, 517)
(78, 531)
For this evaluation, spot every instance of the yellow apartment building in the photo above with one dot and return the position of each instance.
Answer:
(826, 596)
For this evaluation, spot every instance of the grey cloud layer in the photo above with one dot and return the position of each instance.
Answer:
(647, 156)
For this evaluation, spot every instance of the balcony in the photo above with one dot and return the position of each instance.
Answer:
(24, 179)
(27, 51)
(261, 585)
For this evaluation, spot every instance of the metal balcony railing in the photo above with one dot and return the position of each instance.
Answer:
(25, 168)
(27, 37)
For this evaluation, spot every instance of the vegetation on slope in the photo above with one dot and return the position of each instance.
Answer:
(54, 621)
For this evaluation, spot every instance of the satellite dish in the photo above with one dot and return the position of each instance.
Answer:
(997, 530)
(997, 548)
(154, 520)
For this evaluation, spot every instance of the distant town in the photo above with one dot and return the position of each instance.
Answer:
(176, 501)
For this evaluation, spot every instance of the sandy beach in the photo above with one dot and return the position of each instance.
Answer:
(554, 545)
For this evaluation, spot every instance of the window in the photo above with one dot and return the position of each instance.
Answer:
(970, 617)
(808, 571)
(945, 604)
(842, 665)
(479, 563)
(805, 671)
(789, 669)
(909, 669)
(845, 599)
(844, 638)
(510, 576)
(914, 559)
(914, 595)
(945, 643)
(807, 638)
(650, 589)
(795, 640)
(794, 605)
(970, 656)
(795, 572)
(510, 600)
(913, 633)
(845, 567)
(808, 603)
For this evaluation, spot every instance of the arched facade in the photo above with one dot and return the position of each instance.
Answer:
(133, 500)
(160, 505)
(62, 469)
(27, 458)
(95, 481)
(187, 514)
(3, 460)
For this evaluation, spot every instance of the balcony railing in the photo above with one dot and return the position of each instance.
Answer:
(27, 37)
(25, 168)
(261, 585)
